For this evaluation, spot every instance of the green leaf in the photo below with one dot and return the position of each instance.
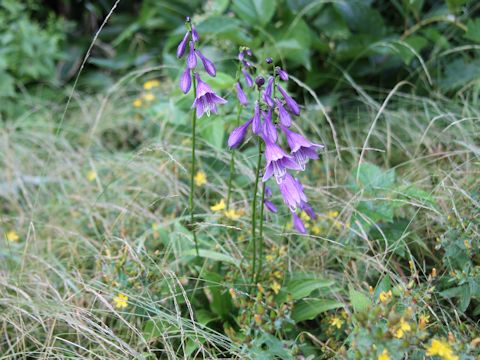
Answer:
(220, 299)
(225, 27)
(221, 81)
(360, 302)
(7, 84)
(310, 309)
(384, 285)
(473, 30)
(213, 255)
(459, 73)
(371, 177)
(255, 12)
(213, 132)
(300, 288)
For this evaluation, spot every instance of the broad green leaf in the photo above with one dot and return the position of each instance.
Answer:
(310, 309)
(225, 27)
(220, 82)
(213, 255)
(371, 177)
(473, 30)
(459, 73)
(213, 131)
(220, 299)
(360, 302)
(255, 12)
(301, 288)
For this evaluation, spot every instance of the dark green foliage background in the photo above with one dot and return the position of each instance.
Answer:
(433, 44)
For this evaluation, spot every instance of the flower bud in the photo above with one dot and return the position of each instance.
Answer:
(269, 60)
(260, 81)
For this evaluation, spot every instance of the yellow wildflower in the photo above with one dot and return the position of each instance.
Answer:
(137, 103)
(232, 293)
(258, 319)
(91, 175)
(276, 287)
(424, 319)
(121, 301)
(232, 214)
(442, 349)
(316, 230)
(218, 206)
(337, 322)
(332, 214)
(467, 244)
(260, 287)
(12, 236)
(150, 84)
(434, 272)
(403, 328)
(149, 97)
(304, 216)
(278, 274)
(384, 355)
(385, 296)
(269, 258)
(200, 178)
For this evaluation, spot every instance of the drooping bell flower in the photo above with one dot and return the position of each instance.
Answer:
(270, 206)
(285, 118)
(298, 223)
(278, 161)
(195, 36)
(205, 99)
(257, 121)
(267, 94)
(248, 78)
(292, 194)
(291, 104)
(282, 74)
(182, 45)
(242, 98)
(185, 81)
(207, 64)
(300, 148)
(238, 134)
(308, 210)
(269, 129)
(192, 58)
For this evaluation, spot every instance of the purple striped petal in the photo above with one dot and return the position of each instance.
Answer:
(182, 46)
(195, 36)
(248, 78)
(192, 57)
(282, 74)
(267, 94)
(291, 104)
(257, 121)
(207, 64)
(283, 114)
(238, 134)
(242, 98)
(185, 81)
(270, 206)
(298, 223)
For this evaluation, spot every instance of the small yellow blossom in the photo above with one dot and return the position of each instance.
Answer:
(121, 301)
(276, 287)
(91, 175)
(150, 84)
(403, 328)
(337, 322)
(434, 272)
(200, 178)
(12, 236)
(467, 244)
(424, 319)
(332, 214)
(304, 216)
(232, 214)
(442, 349)
(370, 290)
(316, 230)
(385, 296)
(149, 97)
(384, 355)
(218, 206)
(232, 292)
(278, 274)
(137, 103)
(269, 258)
(258, 319)
(260, 287)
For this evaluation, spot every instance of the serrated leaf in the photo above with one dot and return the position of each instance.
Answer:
(310, 309)
(473, 30)
(360, 302)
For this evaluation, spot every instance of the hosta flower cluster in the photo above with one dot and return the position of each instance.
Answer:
(273, 117)
(205, 98)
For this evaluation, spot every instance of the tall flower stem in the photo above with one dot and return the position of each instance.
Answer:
(232, 161)
(254, 212)
(192, 172)
(260, 235)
